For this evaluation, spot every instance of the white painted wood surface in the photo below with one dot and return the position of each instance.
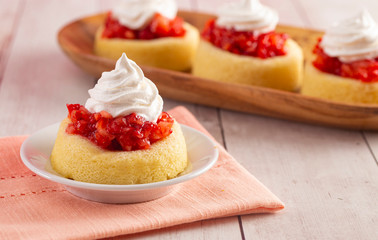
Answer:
(327, 177)
(8, 24)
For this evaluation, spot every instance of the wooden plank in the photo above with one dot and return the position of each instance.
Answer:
(322, 18)
(372, 143)
(8, 16)
(210, 6)
(8, 26)
(325, 176)
(223, 228)
(284, 9)
(227, 228)
(285, 12)
(105, 5)
(186, 4)
(39, 79)
(322, 13)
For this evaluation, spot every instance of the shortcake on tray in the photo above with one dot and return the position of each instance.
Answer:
(345, 67)
(150, 33)
(241, 46)
(121, 135)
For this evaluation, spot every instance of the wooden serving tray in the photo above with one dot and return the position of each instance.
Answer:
(76, 39)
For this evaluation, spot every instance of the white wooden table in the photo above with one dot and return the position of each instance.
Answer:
(327, 177)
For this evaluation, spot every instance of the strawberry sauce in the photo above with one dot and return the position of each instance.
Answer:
(363, 70)
(159, 27)
(245, 43)
(125, 133)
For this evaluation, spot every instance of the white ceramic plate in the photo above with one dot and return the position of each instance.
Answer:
(36, 149)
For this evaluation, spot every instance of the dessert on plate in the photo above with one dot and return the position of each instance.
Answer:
(121, 135)
(345, 65)
(241, 46)
(150, 33)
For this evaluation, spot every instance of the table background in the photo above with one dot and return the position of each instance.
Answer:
(327, 177)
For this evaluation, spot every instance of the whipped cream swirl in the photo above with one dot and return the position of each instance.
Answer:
(125, 90)
(249, 15)
(136, 14)
(352, 39)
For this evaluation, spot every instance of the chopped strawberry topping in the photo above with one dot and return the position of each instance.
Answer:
(245, 43)
(363, 70)
(159, 27)
(131, 132)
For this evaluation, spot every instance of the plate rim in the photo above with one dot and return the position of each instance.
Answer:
(110, 187)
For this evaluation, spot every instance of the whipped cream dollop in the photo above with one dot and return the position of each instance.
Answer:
(125, 90)
(135, 14)
(352, 39)
(249, 15)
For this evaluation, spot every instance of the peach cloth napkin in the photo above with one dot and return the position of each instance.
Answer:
(32, 207)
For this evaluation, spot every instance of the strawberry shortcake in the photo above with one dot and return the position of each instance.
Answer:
(150, 33)
(121, 135)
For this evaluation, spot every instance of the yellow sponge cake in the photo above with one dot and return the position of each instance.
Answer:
(174, 53)
(329, 86)
(75, 157)
(280, 72)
